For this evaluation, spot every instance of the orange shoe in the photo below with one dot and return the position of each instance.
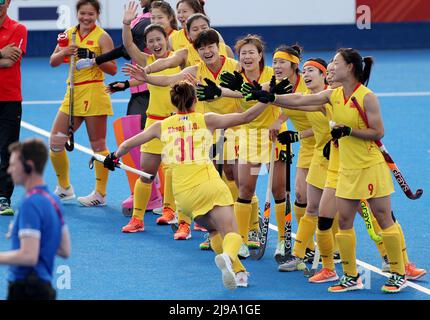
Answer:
(183, 232)
(134, 225)
(197, 227)
(168, 216)
(324, 275)
(414, 273)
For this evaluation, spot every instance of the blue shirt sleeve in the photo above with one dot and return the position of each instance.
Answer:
(29, 219)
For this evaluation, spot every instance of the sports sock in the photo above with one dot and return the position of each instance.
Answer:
(393, 246)
(243, 214)
(305, 234)
(334, 230)
(168, 199)
(325, 243)
(299, 212)
(102, 174)
(347, 242)
(280, 218)
(231, 245)
(142, 193)
(253, 222)
(216, 245)
(403, 242)
(60, 162)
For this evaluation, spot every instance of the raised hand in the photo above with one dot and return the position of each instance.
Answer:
(283, 87)
(135, 71)
(208, 92)
(130, 12)
(254, 92)
(232, 81)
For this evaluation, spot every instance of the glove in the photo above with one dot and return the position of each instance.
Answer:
(232, 81)
(255, 92)
(84, 53)
(326, 150)
(111, 161)
(283, 87)
(288, 137)
(340, 132)
(208, 92)
(117, 89)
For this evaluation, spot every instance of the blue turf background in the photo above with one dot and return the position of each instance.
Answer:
(107, 264)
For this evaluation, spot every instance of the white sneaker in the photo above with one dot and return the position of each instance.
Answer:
(94, 199)
(65, 194)
(84, 64)
(280, 248)
(242, 279)
(243, 251)
(223, 263)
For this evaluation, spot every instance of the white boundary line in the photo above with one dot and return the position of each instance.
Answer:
(86, 150)
(382, 94)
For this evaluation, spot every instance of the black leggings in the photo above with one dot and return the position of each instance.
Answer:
(138, 104)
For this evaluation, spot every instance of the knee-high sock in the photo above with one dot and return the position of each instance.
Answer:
(403, 242)
(305, 234)
(102, 174)
(231, 244)
(183, 218)
(253, 222)
(393, 246)
(142, 193)
(168, 200)
(299, 212)
(280, 218)
(347, 243)
(60, 162)
(379, 245)
(334, 230)
(243, 214)
(216, 245)
(325, 241)
(233, 187)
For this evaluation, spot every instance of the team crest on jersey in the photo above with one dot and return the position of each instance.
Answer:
(90, 42)
(183, 118)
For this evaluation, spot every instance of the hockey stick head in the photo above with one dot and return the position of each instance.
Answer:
(309, 273)
(415, 196)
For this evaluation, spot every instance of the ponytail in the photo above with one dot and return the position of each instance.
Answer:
(183, 95)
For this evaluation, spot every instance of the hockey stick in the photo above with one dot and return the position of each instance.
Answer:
(258, 254)
(100, 158)
(310, 273)
(280, 259)
(390, 162)
(70, 145)
(368, 220)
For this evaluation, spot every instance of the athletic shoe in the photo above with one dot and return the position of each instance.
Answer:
(65, 194)
(134, 225)
(324, 275)
(242, 279)
(414, 273)
(336, 258)
(347, 283)
(197, 227)
(292, 264)
(94, 199)
(183, 232)
(280, 248)
(223, 263)
(309, 256)
(168, 217)
(5, 208)
(158, 211)
(253, 239)
(394, 284)
(84, 64)
(243, 251)
(205, 245)
(385, 267)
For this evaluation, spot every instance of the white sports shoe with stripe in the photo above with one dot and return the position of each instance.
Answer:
(65, 194)
(94, 199)
(224, 264)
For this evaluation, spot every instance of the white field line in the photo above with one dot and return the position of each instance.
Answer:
(273, 227)
(383, 94)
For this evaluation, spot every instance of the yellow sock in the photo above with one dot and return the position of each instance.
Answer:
(183, 217)
(325, 243)
(393, 246)
(378, 230)
(280, 219)
(60, 162)
(216, 245)
(168, 199)
(142, 193)
(402, 237)
(253, 222)
(347, 242)
(243, 214)
(233, 188)
(102, 174)
(305, 234)
(334, 230)
(231, 244)
(299, 212)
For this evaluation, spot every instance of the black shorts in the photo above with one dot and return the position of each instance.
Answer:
(32, 288)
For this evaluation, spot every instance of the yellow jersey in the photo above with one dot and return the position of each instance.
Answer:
(91, 42)
(193, 55)
(187, 142)
(159, 101)
(354, 153)
(180, 40)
